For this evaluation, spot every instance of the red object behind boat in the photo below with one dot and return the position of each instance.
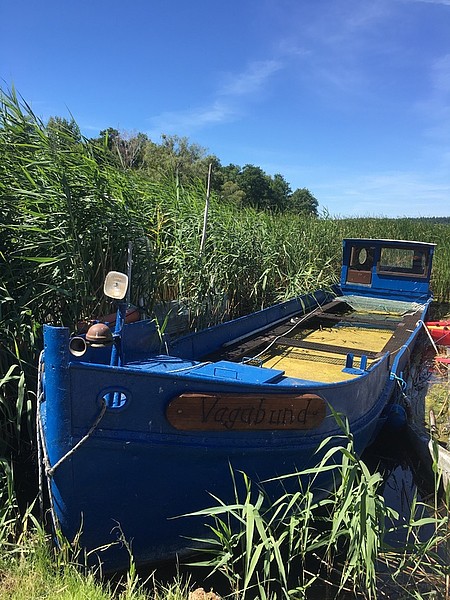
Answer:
(439, 331)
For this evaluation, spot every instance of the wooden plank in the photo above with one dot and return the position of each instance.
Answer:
(402, 332)
(245, 412)
(359, 276)
(354, 320)
(235, 353)
(287, 341)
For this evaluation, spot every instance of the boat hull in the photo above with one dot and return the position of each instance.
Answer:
(136, 472)
(134, 483)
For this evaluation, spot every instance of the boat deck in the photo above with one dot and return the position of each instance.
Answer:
(316, 346)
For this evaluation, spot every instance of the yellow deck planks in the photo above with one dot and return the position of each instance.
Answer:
(326, 366)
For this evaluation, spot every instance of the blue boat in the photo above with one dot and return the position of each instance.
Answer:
(137, 428)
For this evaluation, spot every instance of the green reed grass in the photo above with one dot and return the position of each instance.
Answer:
(283, 547)
(67, 218)
(38, 572)
(31, 568)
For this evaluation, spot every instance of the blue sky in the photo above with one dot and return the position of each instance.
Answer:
(349, 98)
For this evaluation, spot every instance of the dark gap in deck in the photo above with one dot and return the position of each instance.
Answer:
(286, 341)
(354, 320)
(246, 345)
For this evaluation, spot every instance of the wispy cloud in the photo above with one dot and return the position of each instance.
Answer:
(343, 192)
(393, 194)
(333, 45)
(443, 2)
(185, 121)
(227, 104)
(251, 80)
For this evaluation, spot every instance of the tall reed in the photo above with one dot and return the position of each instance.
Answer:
(284, 546)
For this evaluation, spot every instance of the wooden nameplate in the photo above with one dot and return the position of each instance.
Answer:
(245, 412)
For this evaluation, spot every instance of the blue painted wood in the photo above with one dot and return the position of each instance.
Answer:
(404, 283)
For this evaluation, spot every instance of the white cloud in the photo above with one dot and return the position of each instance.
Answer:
(392, 194)
(443, 2)
(185, 121)
(333, 45)
(251, 80)
(227, 105)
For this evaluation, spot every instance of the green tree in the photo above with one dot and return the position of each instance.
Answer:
(63, 134)
(282, 192)
(132, 150)
(105, 146)
(231, 192)
(177, 156)
(231, 172)
(257, 188)
(110, 137)
(225, 182)
(303, 202)
(126, 150)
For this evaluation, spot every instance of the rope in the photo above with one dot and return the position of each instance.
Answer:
(400, 381)
(296, 324)
(429, 335)
(44, 465)
(51, 470)
(45, 461)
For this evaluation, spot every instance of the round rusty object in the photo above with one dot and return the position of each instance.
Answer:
(99, 335)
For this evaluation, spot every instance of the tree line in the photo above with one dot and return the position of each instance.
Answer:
(177, 157)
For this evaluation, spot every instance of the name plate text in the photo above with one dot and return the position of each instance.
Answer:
(237, 412)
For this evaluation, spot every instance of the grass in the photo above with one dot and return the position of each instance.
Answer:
(288, 547)
(437, 400)
(37, 572)
(32, 568)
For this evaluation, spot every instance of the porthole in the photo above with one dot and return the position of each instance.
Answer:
(362, 256)
(115, 399)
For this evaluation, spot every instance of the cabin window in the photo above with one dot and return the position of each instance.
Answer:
(403, 262)
(362, 258)
(361, 263)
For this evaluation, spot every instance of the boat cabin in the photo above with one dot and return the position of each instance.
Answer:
(399, 270)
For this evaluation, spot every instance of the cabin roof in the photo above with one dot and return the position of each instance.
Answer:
(389, 242)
